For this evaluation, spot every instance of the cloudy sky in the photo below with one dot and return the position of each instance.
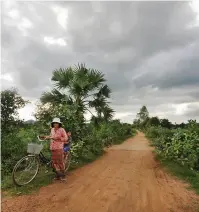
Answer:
(148, 51)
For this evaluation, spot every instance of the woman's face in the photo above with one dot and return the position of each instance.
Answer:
(56, 125)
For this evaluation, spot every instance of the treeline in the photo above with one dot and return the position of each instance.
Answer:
(77, 90)
(143, 121)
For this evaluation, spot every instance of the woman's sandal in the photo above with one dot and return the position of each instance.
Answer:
(62, 179)
(56, 178)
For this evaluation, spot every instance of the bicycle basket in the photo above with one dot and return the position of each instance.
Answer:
(34, 148)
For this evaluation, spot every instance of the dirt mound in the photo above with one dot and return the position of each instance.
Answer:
(126, 179)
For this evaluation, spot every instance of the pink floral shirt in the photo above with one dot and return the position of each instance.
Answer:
(59, 137)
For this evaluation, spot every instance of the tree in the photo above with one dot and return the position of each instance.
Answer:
(83, 88)
(143, 115)
(11, 102)
(165, 123)
(153, 121)
(142, 118)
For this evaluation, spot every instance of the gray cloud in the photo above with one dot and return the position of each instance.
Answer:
(192, 111)
(148, 51)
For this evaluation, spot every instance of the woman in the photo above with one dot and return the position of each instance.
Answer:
(58, 137)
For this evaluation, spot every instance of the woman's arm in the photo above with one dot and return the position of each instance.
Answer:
(51, 135)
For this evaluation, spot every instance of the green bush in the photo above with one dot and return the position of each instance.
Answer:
(179, 145)
(184, 148)
(13, 147)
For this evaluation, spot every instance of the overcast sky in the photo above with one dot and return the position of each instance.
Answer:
(148, 51)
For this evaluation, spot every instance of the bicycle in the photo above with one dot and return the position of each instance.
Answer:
(33, 161)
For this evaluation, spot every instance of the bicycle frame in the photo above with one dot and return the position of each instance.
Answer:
(43, 159)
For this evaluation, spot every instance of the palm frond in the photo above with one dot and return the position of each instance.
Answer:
(98, 102)
(96, 78)
(108, 113)
(81, 81)
(96, 120)
(104, 91)
(63, 77)
(54, 97)
(81, 70)
(88, 79)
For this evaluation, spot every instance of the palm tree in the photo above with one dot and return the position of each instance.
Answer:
(82, 87)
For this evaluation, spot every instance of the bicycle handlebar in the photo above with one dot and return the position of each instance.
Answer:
(38, 137)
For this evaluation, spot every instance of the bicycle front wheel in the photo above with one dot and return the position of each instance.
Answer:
(25, 170)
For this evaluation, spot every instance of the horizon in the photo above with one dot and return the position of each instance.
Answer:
(24, 115)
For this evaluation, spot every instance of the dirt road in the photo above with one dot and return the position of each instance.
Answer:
(125, 179)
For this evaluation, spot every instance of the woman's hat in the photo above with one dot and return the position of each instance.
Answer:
(56, 120)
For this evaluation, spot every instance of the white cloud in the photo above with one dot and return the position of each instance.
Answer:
(6, 77)
(195, 7)
(180, 109)
(62, 16)
(25, 23)
(26, 113)
(58, 41)
(14, 14)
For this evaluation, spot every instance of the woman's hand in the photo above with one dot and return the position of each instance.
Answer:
(48, 137)
(56, 138)
(42, 137)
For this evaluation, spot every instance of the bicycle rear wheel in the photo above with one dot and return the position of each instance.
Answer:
(67, 161)
(25, 170)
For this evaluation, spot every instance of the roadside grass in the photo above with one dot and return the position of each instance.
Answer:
(42, 179)
(182, 172)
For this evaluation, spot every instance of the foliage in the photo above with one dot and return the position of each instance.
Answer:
(141, 117)
(153, 121)
(14, 147)
(143, 114)
(179, 145)
(11, 101)
(67, 114)
(165, 123)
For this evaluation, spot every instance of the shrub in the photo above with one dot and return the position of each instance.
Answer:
(179, 145)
